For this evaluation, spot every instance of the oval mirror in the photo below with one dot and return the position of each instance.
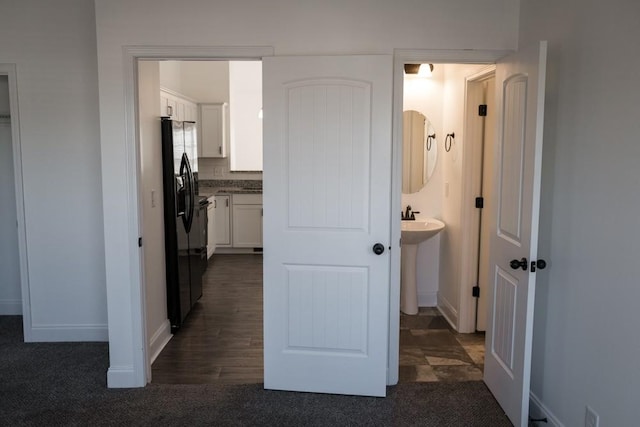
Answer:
(419, 151)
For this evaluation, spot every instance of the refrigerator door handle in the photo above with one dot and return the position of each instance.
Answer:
(192, 193)
(185, 192)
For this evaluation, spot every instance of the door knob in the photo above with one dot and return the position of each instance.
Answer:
(540, 264)
(523, 264)
(378, 248)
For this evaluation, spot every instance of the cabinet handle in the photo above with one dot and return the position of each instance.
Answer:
(215, 203)
(169, 110)
(227, 202)
(220, 149)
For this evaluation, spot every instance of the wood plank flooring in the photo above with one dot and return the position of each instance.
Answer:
(221, 339)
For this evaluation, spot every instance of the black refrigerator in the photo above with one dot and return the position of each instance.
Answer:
(183, 227)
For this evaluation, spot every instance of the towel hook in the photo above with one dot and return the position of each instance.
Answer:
(429, 139)
(448, 141)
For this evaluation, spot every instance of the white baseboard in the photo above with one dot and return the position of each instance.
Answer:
(537, 409)
(448, 311)
(10, 307)
(428, 299)
(228, 251)
(159, 339)
(68, 333)
(122, 377)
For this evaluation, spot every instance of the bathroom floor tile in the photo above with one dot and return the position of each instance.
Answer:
(430, 350)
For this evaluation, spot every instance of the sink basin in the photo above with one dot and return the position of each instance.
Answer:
(414, 232)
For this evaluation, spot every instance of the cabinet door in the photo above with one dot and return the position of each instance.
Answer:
(164, 106)
(180, 110)
(211, 227)
(172, 110)
(247, 226)
(191, 112)
(222, 221)
(214, 132)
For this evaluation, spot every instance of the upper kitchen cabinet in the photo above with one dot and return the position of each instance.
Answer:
(177, 106)
(214, 133)
(245, 110)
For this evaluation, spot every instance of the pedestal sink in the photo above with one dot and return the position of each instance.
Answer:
(413, 232)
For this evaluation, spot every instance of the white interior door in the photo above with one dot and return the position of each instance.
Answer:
(520, 83)
(327, 193)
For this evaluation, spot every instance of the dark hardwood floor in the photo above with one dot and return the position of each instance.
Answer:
(221, 340)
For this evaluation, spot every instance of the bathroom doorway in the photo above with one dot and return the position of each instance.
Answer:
(437, 344)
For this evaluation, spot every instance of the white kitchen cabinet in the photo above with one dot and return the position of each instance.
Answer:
(211, 227)
(177, 106)
(247, 221)
(214, 131)
(222, 221)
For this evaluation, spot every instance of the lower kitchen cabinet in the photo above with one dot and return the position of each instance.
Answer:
(222, 207)
(247, 226)
(211, 227)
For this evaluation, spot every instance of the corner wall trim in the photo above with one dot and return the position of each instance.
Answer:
(122, 377)
(537, 409)
(159, 340)
(448, 311)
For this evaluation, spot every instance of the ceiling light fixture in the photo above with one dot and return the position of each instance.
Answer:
(421, 70)
(425, 70)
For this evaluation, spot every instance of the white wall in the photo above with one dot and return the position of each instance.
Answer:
(10, 293)
(585, 349)
(158, 326)
(203, 81)
(54, 48)
(290, 27)
(245, 104)
(425, 95)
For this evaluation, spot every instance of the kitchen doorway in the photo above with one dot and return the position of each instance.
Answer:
(201, 92)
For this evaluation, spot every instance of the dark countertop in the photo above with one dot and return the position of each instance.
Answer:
(212, 191)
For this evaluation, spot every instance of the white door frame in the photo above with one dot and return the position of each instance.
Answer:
(471, 167)
(141, 362)
(131, 55)
(10, 71)
(402, 56)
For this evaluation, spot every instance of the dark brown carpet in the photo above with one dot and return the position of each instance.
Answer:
(64, 384)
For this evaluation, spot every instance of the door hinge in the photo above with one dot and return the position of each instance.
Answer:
(139, 242)
(475, 291)
(482, 110)
(479, 202)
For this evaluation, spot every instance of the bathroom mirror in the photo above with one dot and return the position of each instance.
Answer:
(419, 151)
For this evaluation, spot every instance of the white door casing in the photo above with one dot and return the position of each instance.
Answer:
(520, 84)
(327, 192)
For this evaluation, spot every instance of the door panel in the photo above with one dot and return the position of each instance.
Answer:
(520, 85)
(327, 181)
